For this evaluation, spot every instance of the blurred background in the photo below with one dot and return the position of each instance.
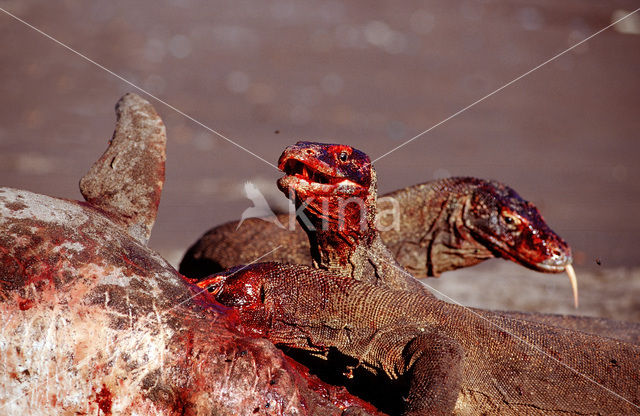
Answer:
(371, 74)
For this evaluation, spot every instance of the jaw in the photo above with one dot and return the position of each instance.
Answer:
(311, 178)
(531, 259)
(557, 262)
(306, 188)
(551, 268)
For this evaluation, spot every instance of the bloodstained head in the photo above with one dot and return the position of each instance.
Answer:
(241, 288)
(514, 229)
(335, 181)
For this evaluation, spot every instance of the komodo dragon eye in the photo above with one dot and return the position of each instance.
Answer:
(343, 156)
(510, 219)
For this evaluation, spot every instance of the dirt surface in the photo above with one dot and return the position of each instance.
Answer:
(373, 75)
(609, 293)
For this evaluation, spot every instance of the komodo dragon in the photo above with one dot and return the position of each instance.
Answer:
(528, 238)
(452, 359)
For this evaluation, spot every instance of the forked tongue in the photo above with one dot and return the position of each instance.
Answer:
(574, 283)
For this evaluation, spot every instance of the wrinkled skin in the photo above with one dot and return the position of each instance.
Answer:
(334, 184)
(453, 360)
(335, 187)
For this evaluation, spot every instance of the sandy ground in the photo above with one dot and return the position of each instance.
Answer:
(373, 75)
(497, 284)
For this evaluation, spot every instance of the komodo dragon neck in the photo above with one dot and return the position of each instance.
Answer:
(430, 236)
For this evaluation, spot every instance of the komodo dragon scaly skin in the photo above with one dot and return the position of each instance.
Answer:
(452, 360)
(335, 187)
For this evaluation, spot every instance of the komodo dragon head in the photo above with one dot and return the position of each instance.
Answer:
(242, 288)
(335, 181)
(513, 228)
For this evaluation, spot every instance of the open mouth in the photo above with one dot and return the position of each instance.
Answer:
(300, 170)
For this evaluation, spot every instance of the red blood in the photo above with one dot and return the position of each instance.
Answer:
(24, 304)
(103, 398)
